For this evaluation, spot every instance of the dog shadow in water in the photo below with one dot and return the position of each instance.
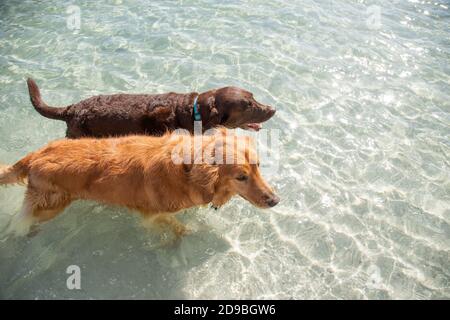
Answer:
(117, 256)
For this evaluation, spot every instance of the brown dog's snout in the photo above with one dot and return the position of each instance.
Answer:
(271, 200)
(271, 111)
(267, 112)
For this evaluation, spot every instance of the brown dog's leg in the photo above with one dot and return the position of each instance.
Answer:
(74, 132)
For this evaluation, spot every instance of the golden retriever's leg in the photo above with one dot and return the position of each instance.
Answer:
(169, 220)
(22, 222)
(47, 204)
(38, 206)
(43, 215)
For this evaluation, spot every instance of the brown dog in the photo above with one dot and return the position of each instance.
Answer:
(124, 114)
(138, 172)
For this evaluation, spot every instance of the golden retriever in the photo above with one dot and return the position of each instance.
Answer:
(141, 173)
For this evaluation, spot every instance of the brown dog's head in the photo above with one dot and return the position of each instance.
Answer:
(242, 176)
(234, 107)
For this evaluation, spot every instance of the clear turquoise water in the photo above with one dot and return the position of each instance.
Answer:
(364, 119)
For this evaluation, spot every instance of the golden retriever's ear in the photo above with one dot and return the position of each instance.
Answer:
(204, 177)
(187, 168)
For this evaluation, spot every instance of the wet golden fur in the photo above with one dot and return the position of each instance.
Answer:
(136, 172)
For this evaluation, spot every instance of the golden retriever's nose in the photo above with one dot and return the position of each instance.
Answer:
(271, 200)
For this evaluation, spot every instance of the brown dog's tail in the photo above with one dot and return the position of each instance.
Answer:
(41, 106)
(16, 173)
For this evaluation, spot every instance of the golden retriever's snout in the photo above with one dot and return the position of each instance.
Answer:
(271, 200)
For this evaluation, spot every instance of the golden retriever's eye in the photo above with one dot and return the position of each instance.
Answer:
(242, 177)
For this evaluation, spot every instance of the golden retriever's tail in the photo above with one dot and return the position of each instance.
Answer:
(16, 173)
(41, 106)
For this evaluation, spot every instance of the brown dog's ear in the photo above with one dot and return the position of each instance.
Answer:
(214, 114)
(162, 113)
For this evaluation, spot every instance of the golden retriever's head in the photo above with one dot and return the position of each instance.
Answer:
(239, 173)
(246, 181)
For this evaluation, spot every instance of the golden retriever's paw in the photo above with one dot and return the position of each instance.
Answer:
(21, 225)
(34, 230)
(181, 231)
(170, 239)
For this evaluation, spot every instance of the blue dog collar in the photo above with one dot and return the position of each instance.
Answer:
(197, 115)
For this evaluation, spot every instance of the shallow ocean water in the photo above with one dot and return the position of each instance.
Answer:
(362, 91)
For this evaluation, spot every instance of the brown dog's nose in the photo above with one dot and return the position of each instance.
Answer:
(271, 111)
(272, 201)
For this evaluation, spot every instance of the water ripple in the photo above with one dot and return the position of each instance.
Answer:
(364, 120)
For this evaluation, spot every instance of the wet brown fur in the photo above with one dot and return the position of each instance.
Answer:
(153, 114)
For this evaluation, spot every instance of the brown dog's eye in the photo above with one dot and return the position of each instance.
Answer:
(242, 177)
